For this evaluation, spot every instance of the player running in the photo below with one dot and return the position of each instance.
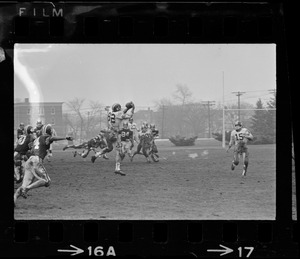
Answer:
(154, 150)
(135, 131)
(126, 140)
(145, 144)
(41, 129)
(239, 138)
(35, 173)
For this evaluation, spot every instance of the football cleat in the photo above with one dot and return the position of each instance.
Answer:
(93, 158)
(105, 156)
(244, 171)
(23, 193)
(119, 172)
(232, 166)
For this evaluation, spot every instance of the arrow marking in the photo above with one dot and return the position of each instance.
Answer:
(226, 251)
(75, 252)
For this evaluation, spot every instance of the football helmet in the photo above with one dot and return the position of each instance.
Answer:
(116, 107)
(238, 125)
(152, 126)
(22, 124)
(131, 120)
(47, 129)
(143, 128)
(39, 124)
(28, 129)
(125, 124)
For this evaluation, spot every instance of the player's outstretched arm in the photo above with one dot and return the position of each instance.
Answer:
(55, 138)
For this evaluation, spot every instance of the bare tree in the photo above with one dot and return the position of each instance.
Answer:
(182, 94)
(94, 117)
(76, 106)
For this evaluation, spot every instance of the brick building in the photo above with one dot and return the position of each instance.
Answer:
(29, 112)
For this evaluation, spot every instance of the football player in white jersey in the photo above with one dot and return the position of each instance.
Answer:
(116, 118)
(133, 127)
(239, 138)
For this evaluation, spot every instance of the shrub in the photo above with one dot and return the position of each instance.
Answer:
(183, 141)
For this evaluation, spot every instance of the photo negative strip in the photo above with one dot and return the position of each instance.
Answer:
(148, 129)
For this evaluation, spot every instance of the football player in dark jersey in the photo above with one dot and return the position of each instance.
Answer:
(154, 150)
(35, 173)
(20, 130)
(43, 129)
(92, 144)
(126, 142)
(21, 152)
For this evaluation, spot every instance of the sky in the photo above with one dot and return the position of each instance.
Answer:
(143, 73)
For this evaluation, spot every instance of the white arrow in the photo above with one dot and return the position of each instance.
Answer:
(226, 251)
(75, 252)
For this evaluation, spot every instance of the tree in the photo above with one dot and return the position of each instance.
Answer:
(182, 94)
(76, 106)
(87, 123)
(271, 118)
(261, 128)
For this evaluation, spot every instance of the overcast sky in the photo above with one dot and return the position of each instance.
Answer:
(143, 73)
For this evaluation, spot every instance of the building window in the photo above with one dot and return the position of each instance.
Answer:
(53, 121)
(53, 110)
(28, 111)
(41, 110)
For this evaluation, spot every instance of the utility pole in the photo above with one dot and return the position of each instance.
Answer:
(162, 123)
(88, 125)
(100, 118)
(208, 103)
(238, 94)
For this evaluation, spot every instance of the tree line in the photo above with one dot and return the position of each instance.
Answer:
(180, 115)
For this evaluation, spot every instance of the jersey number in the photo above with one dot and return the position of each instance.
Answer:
(124, 134)
(111, 117)
(36, 143)
(239, 136)
(21, 139)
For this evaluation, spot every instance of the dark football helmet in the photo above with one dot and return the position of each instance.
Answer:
(116, 107)
(28, 129)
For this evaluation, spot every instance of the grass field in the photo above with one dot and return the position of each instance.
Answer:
(188, 183)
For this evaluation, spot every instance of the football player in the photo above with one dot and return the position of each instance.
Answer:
(43, 129)
(92, 144)
(20, 130)
(35, 174)
(22, 151)
(126, 140)
(155, 135)
(115, 119)
(239, 138)
(142, 136)
(135, 131)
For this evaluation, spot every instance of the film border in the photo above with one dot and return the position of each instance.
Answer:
(261, 23)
